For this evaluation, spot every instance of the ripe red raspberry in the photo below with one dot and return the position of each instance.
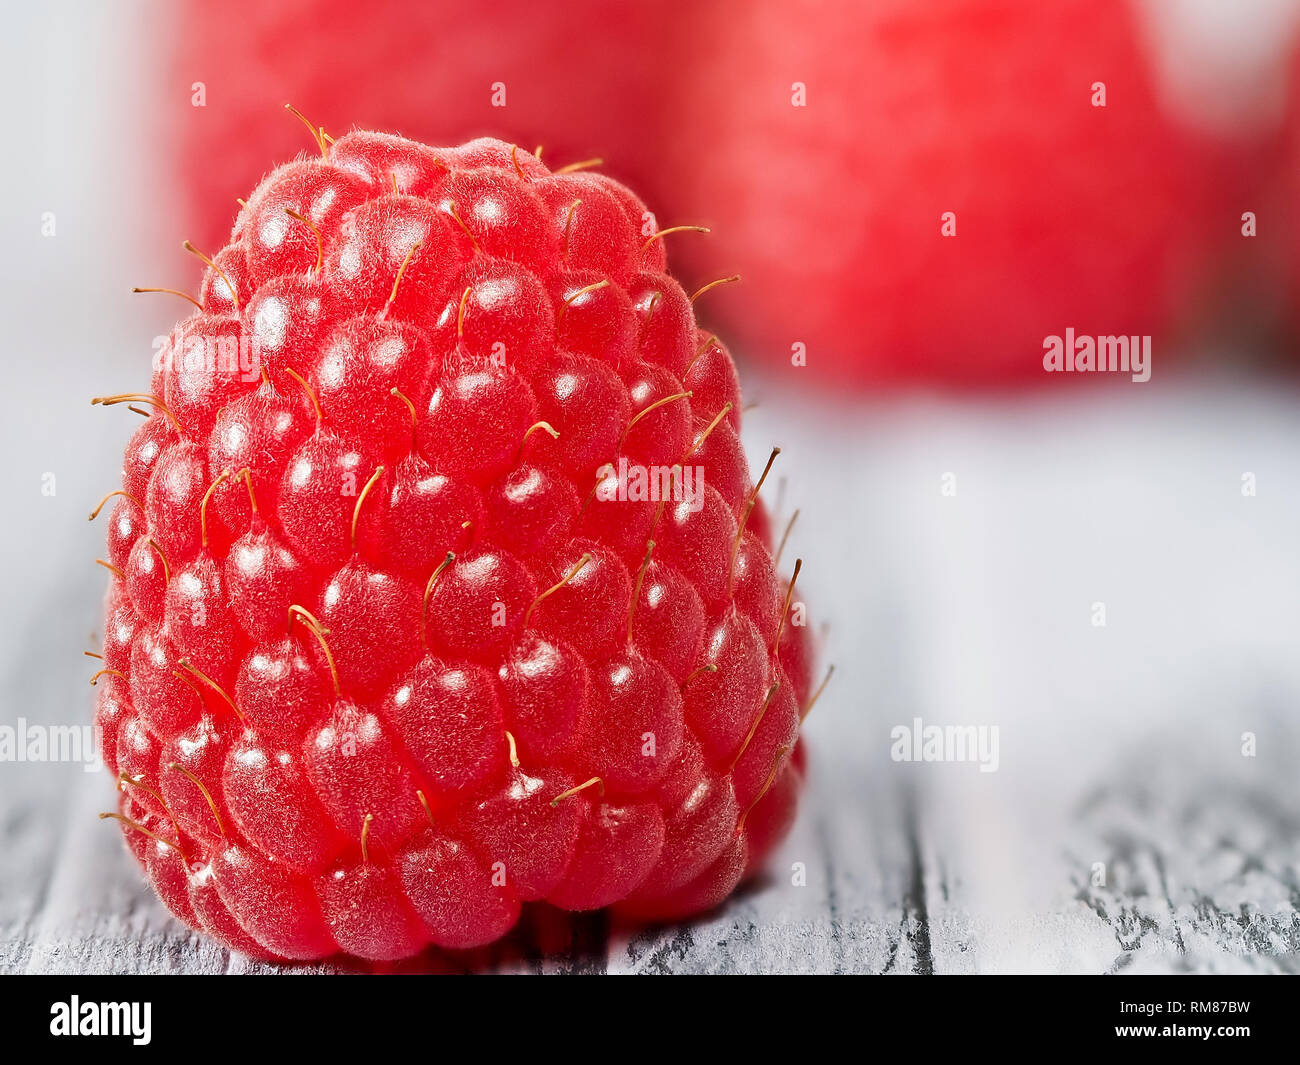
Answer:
(413, 620)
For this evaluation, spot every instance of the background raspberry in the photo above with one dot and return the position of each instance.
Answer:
(1105, 219)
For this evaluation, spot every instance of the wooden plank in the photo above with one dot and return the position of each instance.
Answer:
(1118, 745)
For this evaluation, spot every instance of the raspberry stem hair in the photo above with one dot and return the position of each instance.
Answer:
(709, 667)
(646, 410)
(454, 211)
(184, 663)
(636, 591)
(762, 712)
(574, 570)
(320, 247)
(830, 672)
(320, 415)
(234, 295)
(318, 133)
(699, 440)
(316, 629)
(415, 417)
(170, 292)
(247, 476)
(568, 223)
(674, 229)
(584, 164)
(401, 270)
(203, 508)
(577, 788)
(460, 313)
(167, 570)
(428, 810)
(595, 286)
(740, 529)
(100, 506)
(135, 782)
(361, 498)
(138, 397)
(709, 342)
(712, 285)
(188, 681)
(545, 426)
(207, 795)
(771, 776)
(428, 591)
(140, 828)
(789, 595)
(365, 838)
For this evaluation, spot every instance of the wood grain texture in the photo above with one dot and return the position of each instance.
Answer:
(1204, 883)
(1124, 829)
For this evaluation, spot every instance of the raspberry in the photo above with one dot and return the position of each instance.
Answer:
(413, 622)
(583, 78)
(1065, 213)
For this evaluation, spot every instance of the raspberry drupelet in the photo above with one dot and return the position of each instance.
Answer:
(458, 594)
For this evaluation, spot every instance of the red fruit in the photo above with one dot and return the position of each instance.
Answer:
(530, 835)
(368, 913)
(583, 79)
(449, 721)
(839, 136)
(669, 621)
(274, 808)
(397, 656)
(275, 906)
(285, 319)
(170, 878)
(617, 847)
(497, 314)
(455, 895)
(280, 690)
(544, 686)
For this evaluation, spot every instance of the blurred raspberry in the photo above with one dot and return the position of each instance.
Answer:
(582, 79)
(1065, 214)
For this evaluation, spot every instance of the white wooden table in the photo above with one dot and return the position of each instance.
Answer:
(1123, 830)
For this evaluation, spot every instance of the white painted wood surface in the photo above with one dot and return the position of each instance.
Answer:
(1119, 745)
